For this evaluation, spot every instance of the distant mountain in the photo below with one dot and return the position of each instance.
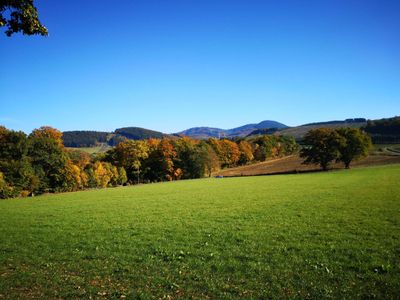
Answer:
(385, 130)
(246, 129)
(203, 132)
(207, 132)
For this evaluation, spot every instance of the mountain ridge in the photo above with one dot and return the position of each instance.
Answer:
(207, 132)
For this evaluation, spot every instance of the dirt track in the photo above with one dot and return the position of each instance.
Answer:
(292, 164)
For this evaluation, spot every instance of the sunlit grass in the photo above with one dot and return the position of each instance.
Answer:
(321, 235)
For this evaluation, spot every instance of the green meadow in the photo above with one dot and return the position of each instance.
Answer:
(321, 235)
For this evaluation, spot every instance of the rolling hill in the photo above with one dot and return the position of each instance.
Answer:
(77, 139)
(298, 132)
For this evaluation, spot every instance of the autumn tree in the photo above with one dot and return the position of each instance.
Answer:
(79, 157)
(209, 158)
(267, 146)
(246, 152)
(122, 176)
(20, 16)
(49, 158)
(73, 178)
(159, 166)
(321, 147)
(355, 145)
(130, 155)
(101, 174)
(49, 133)
(228, 152)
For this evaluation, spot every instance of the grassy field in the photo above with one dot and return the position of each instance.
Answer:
(94, 150)
(384, 149)
(319, 235)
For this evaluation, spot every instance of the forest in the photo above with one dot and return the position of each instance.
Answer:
(384, 131)
(40, 163)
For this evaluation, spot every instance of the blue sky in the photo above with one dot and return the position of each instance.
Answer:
(171, 65)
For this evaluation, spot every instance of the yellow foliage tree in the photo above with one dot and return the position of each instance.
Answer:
(101, 174)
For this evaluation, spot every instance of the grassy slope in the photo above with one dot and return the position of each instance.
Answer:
(300, 131)
(94, 150)
(333, 234)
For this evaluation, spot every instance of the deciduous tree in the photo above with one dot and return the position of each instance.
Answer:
(355, 145)
(15, 163)
(50, 133)
(246, 152)
(20, 16)
(49, 158)
(228, 152)
(130, 155)
(321, 147)
(159, 166)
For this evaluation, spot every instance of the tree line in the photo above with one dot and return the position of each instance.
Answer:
(384, 131)
(39, 163)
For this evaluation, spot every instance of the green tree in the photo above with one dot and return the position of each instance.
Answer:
(290, 145)
(6, 190)
(321, 147)
(188, 158)
(264, 147)
(23, 17)
(15, 164)
(355, 145)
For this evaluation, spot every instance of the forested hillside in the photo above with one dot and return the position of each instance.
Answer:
(78, 139)
(137, 133)
(384, 131)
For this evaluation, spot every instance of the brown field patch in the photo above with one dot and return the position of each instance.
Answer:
(293, 164)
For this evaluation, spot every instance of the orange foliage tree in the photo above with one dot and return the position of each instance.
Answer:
(48, 132)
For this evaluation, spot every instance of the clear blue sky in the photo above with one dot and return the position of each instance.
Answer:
(171, 65)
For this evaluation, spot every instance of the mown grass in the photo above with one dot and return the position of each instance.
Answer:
(320, 235)
(391, 149)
